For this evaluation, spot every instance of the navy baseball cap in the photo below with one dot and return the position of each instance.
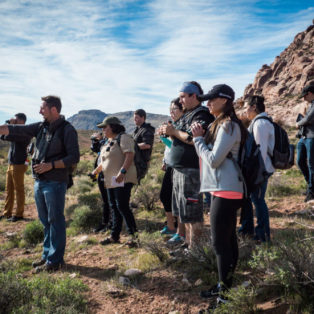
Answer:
(221, 90)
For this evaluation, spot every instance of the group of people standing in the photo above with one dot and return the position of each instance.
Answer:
(201, 142)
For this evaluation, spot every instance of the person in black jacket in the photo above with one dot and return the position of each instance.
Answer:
(143, 135)
(17, 167)
(305, 147)
(56, 152)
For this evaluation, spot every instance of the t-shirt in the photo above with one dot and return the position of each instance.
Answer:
(183, 155)
(112, 157)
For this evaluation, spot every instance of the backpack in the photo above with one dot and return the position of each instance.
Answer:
(140, 162)
(283, 154)
(250, 165)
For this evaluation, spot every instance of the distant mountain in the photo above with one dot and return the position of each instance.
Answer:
(88, 119)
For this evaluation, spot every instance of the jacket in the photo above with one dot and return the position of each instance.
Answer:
(264, 135)
(307, 123)
(218, 172)
(62, 146)
(18, 149)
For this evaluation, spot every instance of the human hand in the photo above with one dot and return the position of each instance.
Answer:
(42, 167)
(197, 129)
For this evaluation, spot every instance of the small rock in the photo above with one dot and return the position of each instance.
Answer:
(174, 312)
(124, 281)
(245, 284)
(11, 235)
(82, 239)
(198, 282)
(73, 275)
(132, 272)
(186, 282)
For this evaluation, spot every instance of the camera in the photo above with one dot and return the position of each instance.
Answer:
(95, 137)
(12, 121)
(93, 177)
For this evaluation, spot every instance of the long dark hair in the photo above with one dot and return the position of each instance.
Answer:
(117, 128)
(228, 114)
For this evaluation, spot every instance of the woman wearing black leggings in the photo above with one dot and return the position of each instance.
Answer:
(220, 177)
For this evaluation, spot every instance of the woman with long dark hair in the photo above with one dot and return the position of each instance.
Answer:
(219, 176)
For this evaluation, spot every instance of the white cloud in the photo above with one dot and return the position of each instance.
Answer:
(122, 55)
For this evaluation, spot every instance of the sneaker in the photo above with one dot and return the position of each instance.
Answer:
(132, 242)
(5, 217)
(109, 241)
(15, 219)
(166, 230)
(212, 292)
(39, 263)
(176, 239)
(49, 267)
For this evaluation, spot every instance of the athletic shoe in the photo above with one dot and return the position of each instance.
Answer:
(212, 292)
(176, 239)
(167, 231)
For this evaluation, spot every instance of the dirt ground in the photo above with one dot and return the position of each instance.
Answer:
(160, 291)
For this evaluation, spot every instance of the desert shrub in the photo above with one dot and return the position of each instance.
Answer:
(152, 243)
(92, 200)
(3, 169)
(41, 294)
(241, 301)
(147, 194)
(84, 167)
(86, 218)
(289, 266)
(33, 233)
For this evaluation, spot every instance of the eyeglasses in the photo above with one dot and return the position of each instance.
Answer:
(174, 109)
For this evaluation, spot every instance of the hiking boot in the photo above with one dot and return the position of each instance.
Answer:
(48, 267)
(39, 263)
(15, 218)
(309, 197)
(109, 241)
(212, 292)
(176, 239)
(167, 231)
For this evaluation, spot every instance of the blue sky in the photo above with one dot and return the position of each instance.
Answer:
(119, 55)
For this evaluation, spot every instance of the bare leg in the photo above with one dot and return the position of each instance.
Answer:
(196, 233)
(170, 221)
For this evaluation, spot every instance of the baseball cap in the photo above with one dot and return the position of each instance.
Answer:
(306, 89)
(109, 120)
(221, 90)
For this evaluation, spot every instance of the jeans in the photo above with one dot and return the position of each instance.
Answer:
(262, 229)
(305, 161)
(119, 199)
(50, 199)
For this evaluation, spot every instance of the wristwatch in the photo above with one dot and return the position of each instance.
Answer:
(123, 171)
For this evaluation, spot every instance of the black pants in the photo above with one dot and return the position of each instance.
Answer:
(223, 218)
(119, 199)
(166, 190)
(103, 191)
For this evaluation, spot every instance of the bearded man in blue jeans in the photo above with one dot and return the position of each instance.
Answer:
(305, 147)
(55, 154)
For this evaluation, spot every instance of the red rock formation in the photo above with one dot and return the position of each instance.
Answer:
(281, 82)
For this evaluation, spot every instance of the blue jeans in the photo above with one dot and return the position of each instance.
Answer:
(50, 199)
(262, 229)
(305, 160)
(119, 199)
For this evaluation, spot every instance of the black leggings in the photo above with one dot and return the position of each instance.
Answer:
(166, 190)
(223, 219)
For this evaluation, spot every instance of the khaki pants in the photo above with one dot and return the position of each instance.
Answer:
(15, 183)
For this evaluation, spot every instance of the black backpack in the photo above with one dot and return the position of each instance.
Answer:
(140, 162)
(283, 154)
(250, 165)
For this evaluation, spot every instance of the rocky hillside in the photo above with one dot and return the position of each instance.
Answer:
(282, 81)
(88, 119)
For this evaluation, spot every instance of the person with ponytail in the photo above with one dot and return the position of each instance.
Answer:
(220, 177)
